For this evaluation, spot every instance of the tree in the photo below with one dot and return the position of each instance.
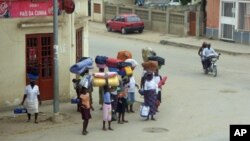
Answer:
(185, 2)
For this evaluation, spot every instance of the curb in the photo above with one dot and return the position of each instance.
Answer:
(183, 45)
(165, 42)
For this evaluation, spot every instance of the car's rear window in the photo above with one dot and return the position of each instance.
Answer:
(133, 19)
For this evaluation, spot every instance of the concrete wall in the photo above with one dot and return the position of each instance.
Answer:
(155, 20)
(12, 50)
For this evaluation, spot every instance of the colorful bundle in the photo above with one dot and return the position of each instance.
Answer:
(99, 79)
(82, 66)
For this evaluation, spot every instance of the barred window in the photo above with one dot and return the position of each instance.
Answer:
(244, 16)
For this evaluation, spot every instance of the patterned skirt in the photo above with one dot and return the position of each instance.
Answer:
(150, 100)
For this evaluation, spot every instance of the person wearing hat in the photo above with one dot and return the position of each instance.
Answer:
(31, 99)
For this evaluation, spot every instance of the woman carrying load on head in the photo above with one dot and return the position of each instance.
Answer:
(150, 88)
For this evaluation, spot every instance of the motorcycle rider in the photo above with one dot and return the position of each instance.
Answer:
(203, 46)
(207, 53)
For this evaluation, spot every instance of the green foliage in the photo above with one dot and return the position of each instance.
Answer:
(185, 2)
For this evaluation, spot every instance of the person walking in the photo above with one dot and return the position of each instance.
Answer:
(31, 100)
(85, 106)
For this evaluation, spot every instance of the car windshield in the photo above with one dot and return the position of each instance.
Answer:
(133, 19)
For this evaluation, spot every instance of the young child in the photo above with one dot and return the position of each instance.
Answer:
(107, 108)
(131, 93)
(122, 101)
(85, 106)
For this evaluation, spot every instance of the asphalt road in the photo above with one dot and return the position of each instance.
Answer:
(195, 106)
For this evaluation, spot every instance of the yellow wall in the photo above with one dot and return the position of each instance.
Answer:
(12, 52)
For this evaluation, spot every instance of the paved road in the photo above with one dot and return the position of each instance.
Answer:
(195, 106)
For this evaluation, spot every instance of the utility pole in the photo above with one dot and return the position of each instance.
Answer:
(56, 78)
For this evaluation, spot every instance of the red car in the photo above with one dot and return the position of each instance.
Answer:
(125, 23)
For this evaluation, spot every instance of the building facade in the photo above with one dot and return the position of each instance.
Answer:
(26, 37)
(229, 20)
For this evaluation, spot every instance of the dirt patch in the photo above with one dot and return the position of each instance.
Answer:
(18, 124)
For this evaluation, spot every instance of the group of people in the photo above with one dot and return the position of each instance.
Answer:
(115, 100)
(205, 52)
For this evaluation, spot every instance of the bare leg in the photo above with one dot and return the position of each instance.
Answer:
(123, 118)
(103, 127)
(110, 126)
(119, 118)
(131, 108)
(85, 125)
(36, 115)
(29, 115)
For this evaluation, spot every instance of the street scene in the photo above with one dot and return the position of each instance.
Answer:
(194, 106)
(200, 96)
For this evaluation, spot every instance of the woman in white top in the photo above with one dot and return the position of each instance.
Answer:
(31, 98)
(150, 88)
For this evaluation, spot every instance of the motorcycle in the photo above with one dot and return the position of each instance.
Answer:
(212, 66)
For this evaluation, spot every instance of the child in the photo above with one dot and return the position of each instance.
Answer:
(122, 101)
(106, 108)
(85, 108)
(131, 93)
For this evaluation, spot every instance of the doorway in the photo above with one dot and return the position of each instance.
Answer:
(39, 60)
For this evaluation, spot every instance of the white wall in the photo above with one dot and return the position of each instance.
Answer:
(12, 52)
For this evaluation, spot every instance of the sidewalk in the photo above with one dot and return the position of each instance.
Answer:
(174, 40)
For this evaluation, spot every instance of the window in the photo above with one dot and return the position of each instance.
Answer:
(79, 44)
(97, 8)
(228, 9)
(133, 19)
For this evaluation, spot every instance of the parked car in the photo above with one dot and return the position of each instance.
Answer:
(125, 23)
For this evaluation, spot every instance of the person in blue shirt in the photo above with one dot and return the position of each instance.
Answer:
(107, 108)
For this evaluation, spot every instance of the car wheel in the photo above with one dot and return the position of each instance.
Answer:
(109, 28)
(140, 31)
(124, 31)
